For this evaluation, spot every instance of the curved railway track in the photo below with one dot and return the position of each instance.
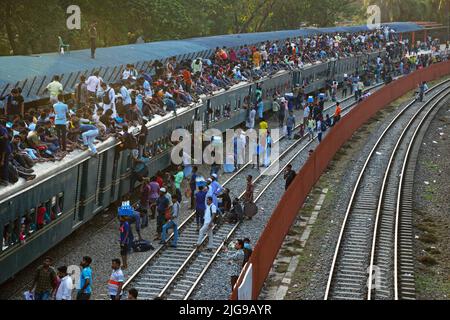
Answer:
(175, 273)
(375, 243)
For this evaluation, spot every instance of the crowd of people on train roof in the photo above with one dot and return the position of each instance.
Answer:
(98, 110)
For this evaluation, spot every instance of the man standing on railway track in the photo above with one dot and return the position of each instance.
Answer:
(193, 186)
(116, 281)
(200, 200)
(125, 239)
(162, 205)
(290, 124)
(44, 282)
(85, 280)
(64, 292)
(179, 177)
(236, 260)
(208, 224)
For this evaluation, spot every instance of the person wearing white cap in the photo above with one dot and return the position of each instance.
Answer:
(215, 189)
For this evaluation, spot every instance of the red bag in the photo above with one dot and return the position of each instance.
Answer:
(168, 214)
(42, 148)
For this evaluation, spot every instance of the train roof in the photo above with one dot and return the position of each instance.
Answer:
(33, 72)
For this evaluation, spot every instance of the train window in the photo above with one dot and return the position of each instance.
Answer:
(31, 219)
(6, 236)
(49, 215)
(16, 231)
(60, 203)
(53, 209)
(41, 216)
(24, 225)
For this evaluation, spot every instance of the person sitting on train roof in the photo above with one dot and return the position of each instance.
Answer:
(179, 83)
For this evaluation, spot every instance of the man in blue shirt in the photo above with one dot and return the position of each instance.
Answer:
(200, 200)
(193, 186)
(126, 240)
(127, 101)
(89, 132)
(140, 167)
(61, 110)
(162, 205)
(147, 88)
(85, 280)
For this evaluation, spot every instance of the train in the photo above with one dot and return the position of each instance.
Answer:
(73, 191)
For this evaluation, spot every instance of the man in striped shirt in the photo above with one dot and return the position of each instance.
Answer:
(116, 280)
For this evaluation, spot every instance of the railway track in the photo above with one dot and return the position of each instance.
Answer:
(373, 257)
(174, 274)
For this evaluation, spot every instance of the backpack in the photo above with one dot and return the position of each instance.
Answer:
(106, 98)
(324, 127)
(142, 246)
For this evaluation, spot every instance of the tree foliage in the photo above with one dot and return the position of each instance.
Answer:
(32, 26)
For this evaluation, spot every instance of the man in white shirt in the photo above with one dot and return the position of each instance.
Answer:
(65, 288)
(251, 119)
(126, 75)
(210, 213)
(93, 82)
(197, 66)
(109, 99)
(54, 88)
(241, 148)
(127, 101)
(146, 86)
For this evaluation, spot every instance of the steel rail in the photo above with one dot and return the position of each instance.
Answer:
(356, 188)
(216, 254)
(239, 172)
(385, 182)
(400, 191)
